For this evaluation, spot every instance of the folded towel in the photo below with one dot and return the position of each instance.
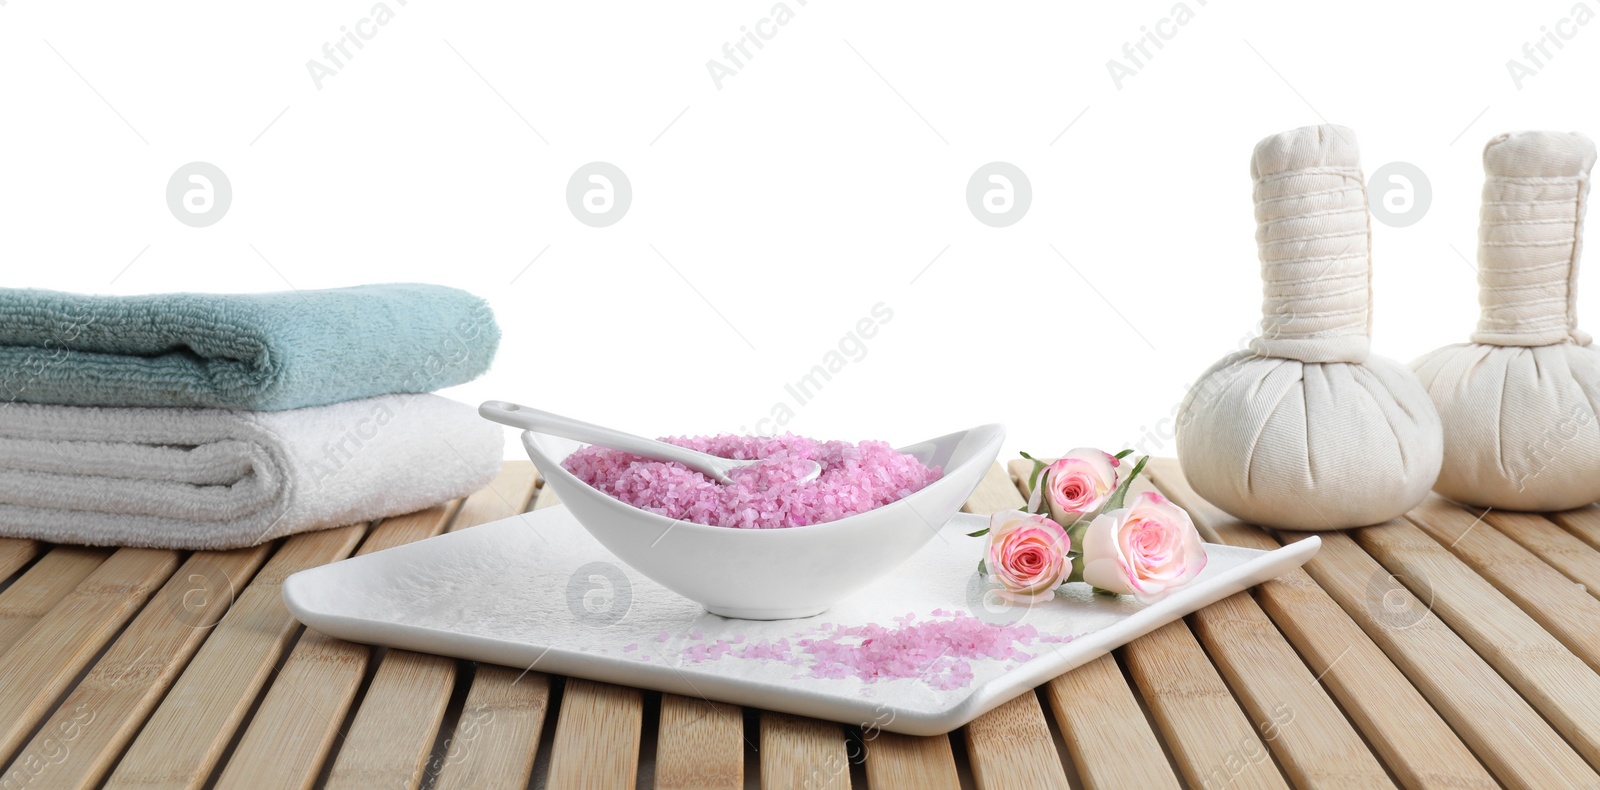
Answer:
(245, 351)
(221, 478)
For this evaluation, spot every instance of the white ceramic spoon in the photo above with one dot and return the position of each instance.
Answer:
(567, 428)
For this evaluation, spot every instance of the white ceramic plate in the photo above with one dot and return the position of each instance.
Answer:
(537, 591)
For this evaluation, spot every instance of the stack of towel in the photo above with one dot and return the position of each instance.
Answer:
(201, 421)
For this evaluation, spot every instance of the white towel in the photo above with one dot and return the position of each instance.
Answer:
(224, 478)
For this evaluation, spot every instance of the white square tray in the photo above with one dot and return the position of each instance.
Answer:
(512, 593)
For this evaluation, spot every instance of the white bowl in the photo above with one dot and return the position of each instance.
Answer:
(774, 574)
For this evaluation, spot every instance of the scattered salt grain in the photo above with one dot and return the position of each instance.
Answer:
(855, 478)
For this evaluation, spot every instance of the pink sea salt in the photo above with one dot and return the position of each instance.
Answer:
(938, 652)
(855, 478)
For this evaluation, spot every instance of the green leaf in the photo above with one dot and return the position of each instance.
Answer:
(1033, 479)
(1098, 591)
(1138, 467)
(980, 533)
(1037, 465)
(1123, 454)
(1121, 494)
(982, 571)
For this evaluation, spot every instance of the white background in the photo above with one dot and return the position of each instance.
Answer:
(819, 180)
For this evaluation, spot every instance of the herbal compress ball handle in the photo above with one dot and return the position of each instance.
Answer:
(1307, 430)
(1530, 234)
(1312, 235)
(1519, 402)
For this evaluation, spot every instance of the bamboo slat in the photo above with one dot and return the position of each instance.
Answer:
(1562, 549)
(545, 497)
(40, 667)
(1556, 682)
(287, 741)
(597, 736)
(1503, 731)
(700, 745)
(394, 729)
(995, 492)
(508, 494)
(1011, 746)
(1211, 740)
(97, 719)
(15, 553)
(39, 589)
(389, 741)
(494, 743)
(184, 738)
(1400, 724)
(1583, 522)
(1562, 608)
(1111, 742)
(895, 760)
(798, 752)
(291, 735)
(1315, 744)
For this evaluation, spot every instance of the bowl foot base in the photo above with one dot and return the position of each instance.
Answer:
(737, 613)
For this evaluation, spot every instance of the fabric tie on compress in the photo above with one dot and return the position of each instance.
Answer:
(1311, 235)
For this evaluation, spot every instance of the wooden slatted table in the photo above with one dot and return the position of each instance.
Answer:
(1451, 648)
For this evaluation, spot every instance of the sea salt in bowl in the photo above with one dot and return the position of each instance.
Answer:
(774, 574)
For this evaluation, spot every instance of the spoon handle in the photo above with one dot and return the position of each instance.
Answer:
(530, 419)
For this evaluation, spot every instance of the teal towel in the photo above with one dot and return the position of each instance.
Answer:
(265, 351)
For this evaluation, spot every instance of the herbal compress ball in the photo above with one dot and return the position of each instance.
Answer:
(1305, 430)
(1519, 401)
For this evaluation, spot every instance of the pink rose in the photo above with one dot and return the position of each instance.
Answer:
(1027, 556)
(1147, 549)
(1077, 485)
